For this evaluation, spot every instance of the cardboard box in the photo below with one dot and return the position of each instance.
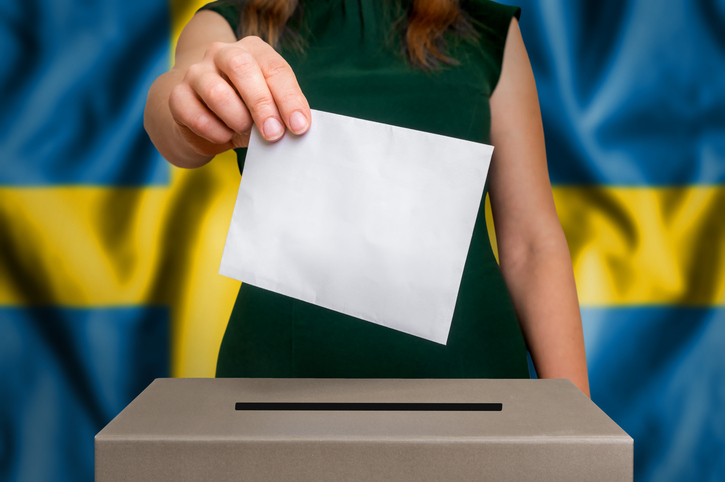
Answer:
(362, 429)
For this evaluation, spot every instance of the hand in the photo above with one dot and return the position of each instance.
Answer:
(237, 85)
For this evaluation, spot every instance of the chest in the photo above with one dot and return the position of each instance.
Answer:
(353, 64)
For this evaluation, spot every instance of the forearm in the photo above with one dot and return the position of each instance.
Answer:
(161, 126)
(541, 283)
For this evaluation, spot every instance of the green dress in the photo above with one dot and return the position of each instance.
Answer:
(352, 64)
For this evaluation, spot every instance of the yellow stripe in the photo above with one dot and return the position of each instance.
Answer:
(201, 309)
(643, 246)
(203, 299)
(80, 246)
(633, 246)
(97, 246)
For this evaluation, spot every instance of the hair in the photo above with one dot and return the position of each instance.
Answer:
(421, 28)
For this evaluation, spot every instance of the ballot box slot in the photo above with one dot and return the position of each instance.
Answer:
(371, 406)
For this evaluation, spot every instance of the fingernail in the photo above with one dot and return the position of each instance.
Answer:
(298, 122)
(273, 129)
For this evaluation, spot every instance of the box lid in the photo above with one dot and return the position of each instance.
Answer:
(197, 409)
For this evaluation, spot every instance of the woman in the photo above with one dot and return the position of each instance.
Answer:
(457, 70)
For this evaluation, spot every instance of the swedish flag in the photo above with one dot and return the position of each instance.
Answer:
(109, 256)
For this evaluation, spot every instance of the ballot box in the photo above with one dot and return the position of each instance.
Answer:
(258, 429)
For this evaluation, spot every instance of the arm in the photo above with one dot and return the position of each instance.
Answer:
(533, 253)
(218, 88)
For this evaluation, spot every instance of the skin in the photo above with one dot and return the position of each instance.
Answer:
(219, 86)
(533, 252)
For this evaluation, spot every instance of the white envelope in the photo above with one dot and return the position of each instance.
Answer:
(363, 218)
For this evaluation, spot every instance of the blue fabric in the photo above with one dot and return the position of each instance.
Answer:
(659, 372)
(65, 374)
(74, 79)
(631, 91)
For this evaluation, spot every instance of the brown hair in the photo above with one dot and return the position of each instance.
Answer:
(422, 27)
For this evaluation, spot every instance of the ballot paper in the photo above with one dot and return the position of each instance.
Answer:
(367, 219)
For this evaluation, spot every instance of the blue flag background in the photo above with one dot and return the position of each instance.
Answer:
(109, 256)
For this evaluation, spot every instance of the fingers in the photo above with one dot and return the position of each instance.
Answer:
(188, 111)
(287, 94)
(242, 69)
(234, 86)
(221, 98)
(267, 86)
